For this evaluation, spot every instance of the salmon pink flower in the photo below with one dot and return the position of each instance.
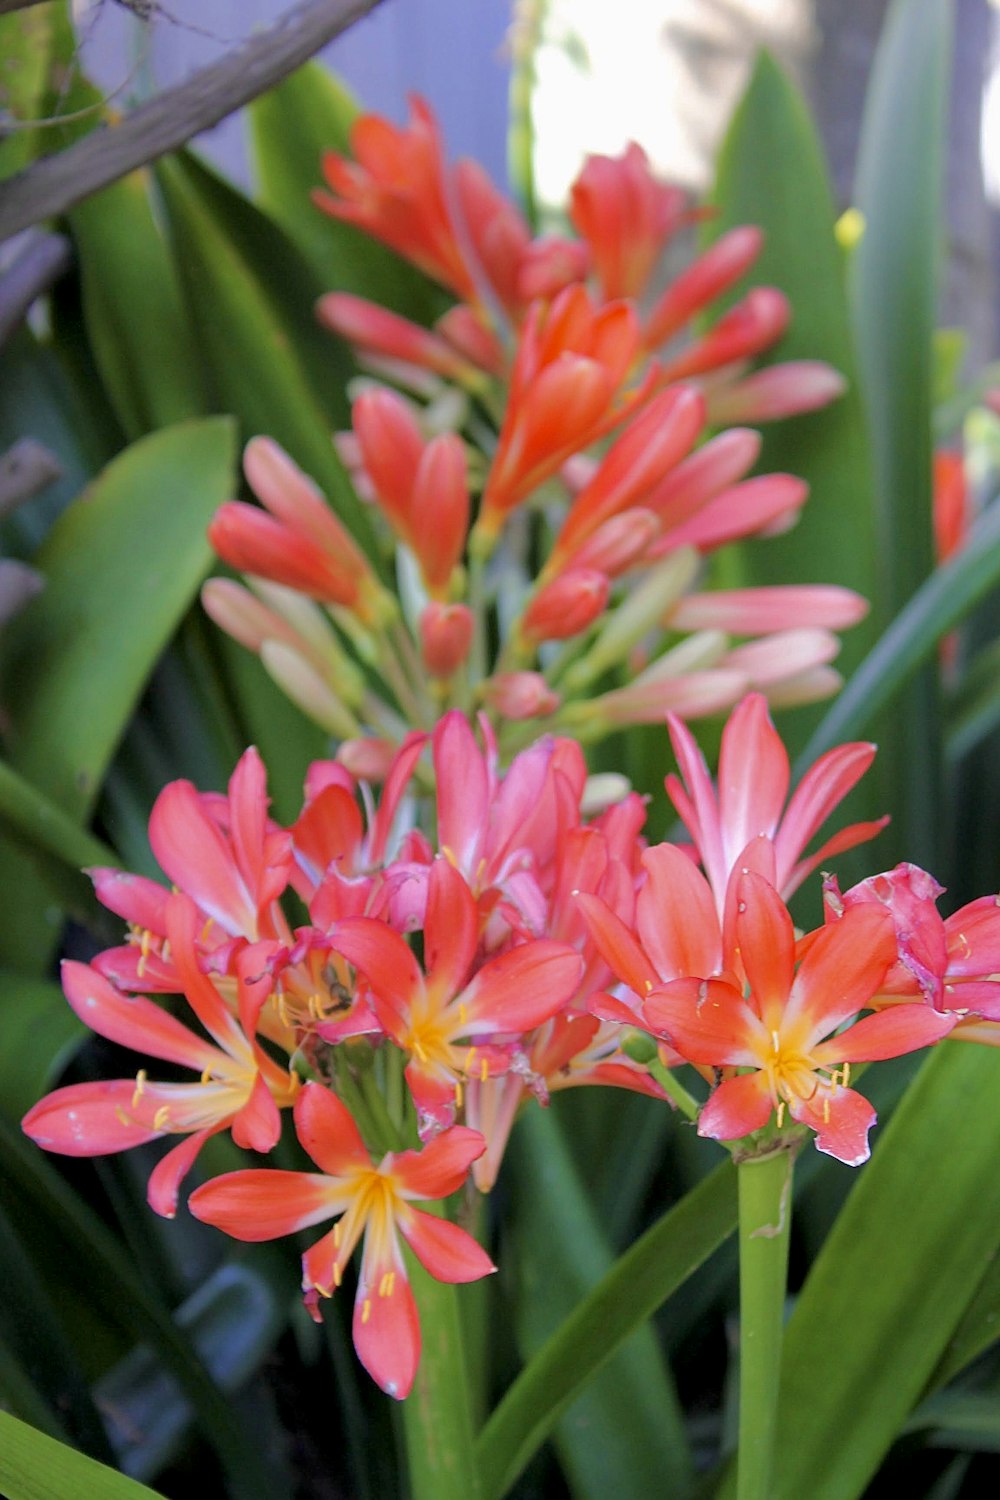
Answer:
(785, 1029)
(296, 540)
(450, 1021)
(626, 218)
(372, 1203)
(396, 190)
(566, 391)
(753, 785)
(241, 1087)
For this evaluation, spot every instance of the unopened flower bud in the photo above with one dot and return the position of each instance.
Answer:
(520, 695)
(566, 606)
(445, 637)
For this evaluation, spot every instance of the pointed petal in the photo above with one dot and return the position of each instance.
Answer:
(170, 1171)
(265, 1204)
(441, 1167)
(767, 946)
(708, 1021)
(738, 1106)
(451, 930)
(443, 1249)
(823, 787)
(194, 854)
(523, 987)
(462, 790)
(386, 1329)
(696, 805)
(842, 970)
(257, 1126)
(87, 1119)
(890, 1033)
(383, 957)
(616, 944)
(676, 917)
(183, 925)
(753, 774)
(841, 1119)
(327, 1131)
(132, 1020)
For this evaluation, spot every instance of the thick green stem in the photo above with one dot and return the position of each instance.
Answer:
(437, 1418)
(765, 1199)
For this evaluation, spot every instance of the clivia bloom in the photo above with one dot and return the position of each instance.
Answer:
(785, 1028)
(753, 785)
(241, 1087)
(376, 1202)
(451, 1022)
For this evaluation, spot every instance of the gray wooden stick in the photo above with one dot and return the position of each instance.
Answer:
(173, 117)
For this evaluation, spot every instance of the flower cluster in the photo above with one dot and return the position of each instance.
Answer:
(440, 985)
(548, 469)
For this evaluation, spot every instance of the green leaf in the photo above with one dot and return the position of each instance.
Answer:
(45, 825)
(974, 710)
(625, 1431)
(291, 127)
(638, 1283)
(135, 318)
(937, 607)
(40, 1034)
(251, 295)
(894, 290)
(25, 42)
(36, 1467)
(771, 173)
(121, 566)
(896, 1274)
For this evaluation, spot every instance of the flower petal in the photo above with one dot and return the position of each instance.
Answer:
(132, 1020)
(739, 1106)
(170, 1171)
(441, 1167)
(443, 1249)
(841, 1119)
(890, 1033)
(842, 970)
(386, 1329)
(767, 946)
(266, 1203)
(676, 917)
(327, 1130)
(708, 1022)
(87, 1119)
(523, 987)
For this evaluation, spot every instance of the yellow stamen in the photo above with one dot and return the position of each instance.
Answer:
(484, 1071)
(826, 1110)
(338, 1274)
(336, 1235)
(207, 929)
(845, 1074)
(161, 1118)
(387, 1283)
(206, 1075)
(140, 1087)
(458, 1093)
(366, 1310)
(463, 1012)
(781, 1112)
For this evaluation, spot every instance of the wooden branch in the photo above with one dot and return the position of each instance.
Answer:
(41, 260)
(173, 117)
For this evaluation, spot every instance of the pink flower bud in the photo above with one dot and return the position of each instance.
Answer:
(367, 759)
(782, 390)
(445, 637)
(374, 329)
(617, 545)
(566, 606)
(745, 330)
(520, 695)
(439, 510)
(708, 277)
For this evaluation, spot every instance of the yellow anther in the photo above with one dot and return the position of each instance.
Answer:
(336, 1235)
(484, 1070)
(325, 1291)
(775, 1041)
(338, 1274)
(387, 1283)
(826, 1110)
(281, 1007)
(140, 1087)
(419, 1050)
(366, 1310)
(145, 942)
(206, 1075)
(161, 1118)
(122, 1116)
(463, 1012)
(206, 929)
(458, 1093)
(649, 986)
(470, 1060)
(781, 1112)
(315, 1007)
